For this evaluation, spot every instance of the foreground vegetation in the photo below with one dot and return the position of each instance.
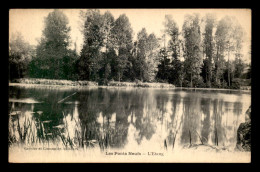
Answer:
(25, 131)
(28, 131)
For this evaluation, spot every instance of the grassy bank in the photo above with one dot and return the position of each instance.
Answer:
(248, 90)
(54, 82)
(58, 83)
(34, 81)
(140, 84)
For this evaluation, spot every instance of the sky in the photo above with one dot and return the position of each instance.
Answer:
(30, 22)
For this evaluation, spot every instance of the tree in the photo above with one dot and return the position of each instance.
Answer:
(53, 46)
(223, 36)
(141, 58)
(239, 67)
(204, 71)
(146, 56)
(108, 45)
(90, 56)
(69, 66)
(152, 56)
(164, 67)
(192, 50)
(122, 37)
(238, 37)
(172, 29)
(20, 55)
(229, 38)
(208, 47)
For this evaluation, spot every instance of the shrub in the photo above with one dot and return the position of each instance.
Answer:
(236, 83)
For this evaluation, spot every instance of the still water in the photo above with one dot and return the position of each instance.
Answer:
(126, 117)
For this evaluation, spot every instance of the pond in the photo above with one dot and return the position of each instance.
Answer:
(125, 118)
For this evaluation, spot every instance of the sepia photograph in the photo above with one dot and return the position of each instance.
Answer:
(129, 85)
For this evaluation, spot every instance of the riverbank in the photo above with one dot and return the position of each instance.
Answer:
(34, 81)
(139, 84)
(214, 89)
(37, 81)
(111, 84)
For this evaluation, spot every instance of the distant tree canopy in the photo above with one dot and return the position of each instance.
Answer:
(203, 53)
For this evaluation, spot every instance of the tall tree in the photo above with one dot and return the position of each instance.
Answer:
(146, 56)
(90, 56)
(108, 24)
(238, 36)
(229, 36)
(54, 44)
(172, 29)
(141, 58)
(193, 50)
(152, 56)
(223, 36)
(122, 37)
(208, 46)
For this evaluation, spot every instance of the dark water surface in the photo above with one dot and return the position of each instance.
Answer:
(104, 116)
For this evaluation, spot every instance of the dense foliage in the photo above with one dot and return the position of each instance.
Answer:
(198, 55)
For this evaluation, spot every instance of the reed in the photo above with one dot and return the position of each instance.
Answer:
(29, 135)
(165, 144)
(174, 140)
(34, 132)
(216, 137)
(22, 130)
(190, 137)
(200, 138)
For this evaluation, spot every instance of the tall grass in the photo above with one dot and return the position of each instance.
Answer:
(216, 137)
(190, 137)
(31, 132)
(174, 139)
(200, 138)
(24, 130)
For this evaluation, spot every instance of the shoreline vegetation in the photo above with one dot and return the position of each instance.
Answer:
(139, 84)
(34, 81)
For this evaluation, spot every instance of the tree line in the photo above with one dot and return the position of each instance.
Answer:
(198, 55)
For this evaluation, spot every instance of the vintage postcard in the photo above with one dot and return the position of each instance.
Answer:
(129, 85)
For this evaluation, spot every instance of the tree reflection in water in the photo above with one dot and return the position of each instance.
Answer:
(117, 117)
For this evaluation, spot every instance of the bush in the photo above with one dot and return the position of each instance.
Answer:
(216, 84)
(199, 83)
(236, 83)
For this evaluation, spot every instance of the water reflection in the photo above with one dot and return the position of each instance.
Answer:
(118, 117)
